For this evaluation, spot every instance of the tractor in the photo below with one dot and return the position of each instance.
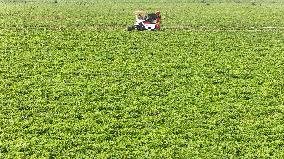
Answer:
(144, 21)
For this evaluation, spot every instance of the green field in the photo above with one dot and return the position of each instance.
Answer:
(75, 84)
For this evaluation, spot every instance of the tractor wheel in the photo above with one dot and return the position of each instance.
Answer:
(141, 27)
(130, 28)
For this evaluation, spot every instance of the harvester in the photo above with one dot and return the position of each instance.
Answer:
(144, 21)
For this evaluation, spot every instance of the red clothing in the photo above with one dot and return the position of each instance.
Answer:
(158, 20)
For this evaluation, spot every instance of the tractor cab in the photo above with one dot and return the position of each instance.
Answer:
(151, 18)
(146, 21)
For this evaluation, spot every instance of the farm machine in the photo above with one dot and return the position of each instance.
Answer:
(144, 21)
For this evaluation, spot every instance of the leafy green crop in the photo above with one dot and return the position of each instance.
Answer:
(75, 84)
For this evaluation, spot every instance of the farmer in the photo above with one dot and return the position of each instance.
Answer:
(158, 20)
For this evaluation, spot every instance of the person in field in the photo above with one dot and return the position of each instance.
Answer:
(158, 20)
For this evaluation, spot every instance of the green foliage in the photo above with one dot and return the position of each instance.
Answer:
(75, 84)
